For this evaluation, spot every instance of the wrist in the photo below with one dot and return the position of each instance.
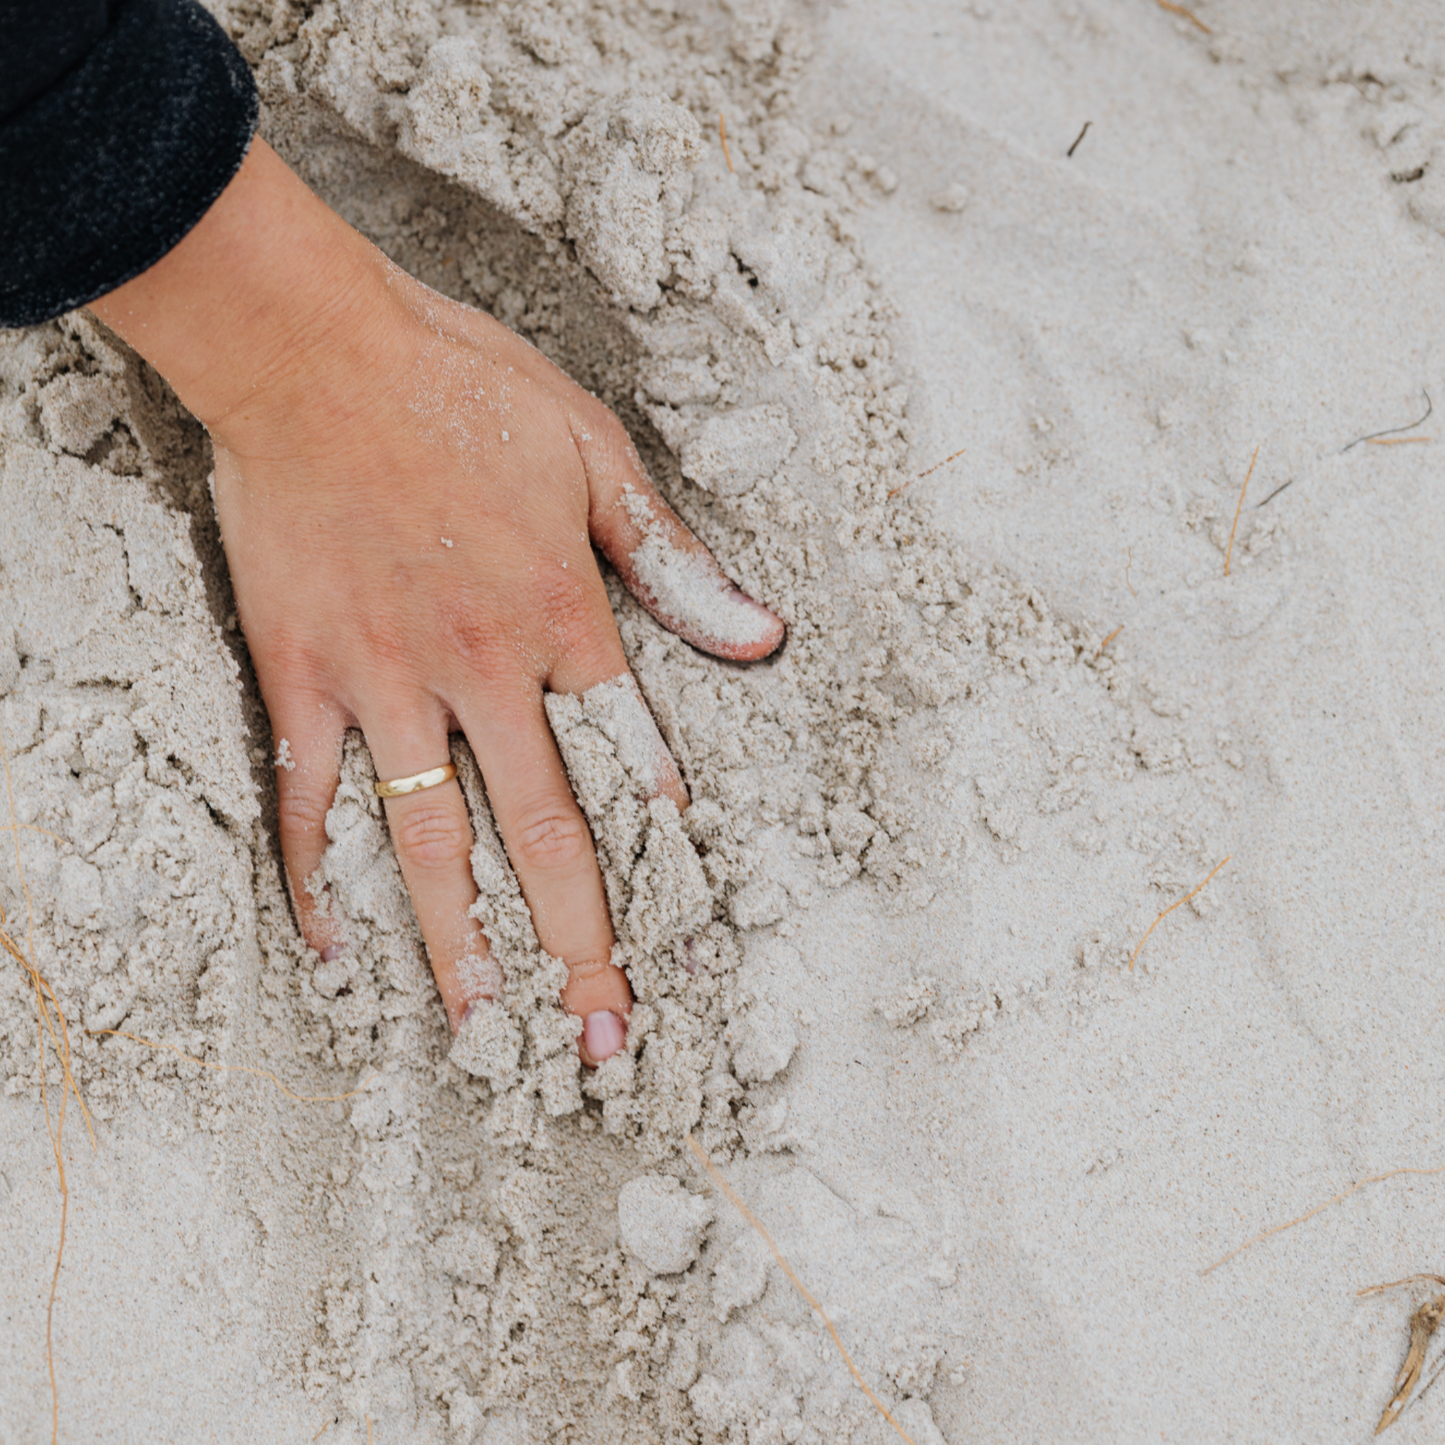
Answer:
(269, 294)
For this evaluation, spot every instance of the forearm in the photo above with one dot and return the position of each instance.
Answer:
(269, 292)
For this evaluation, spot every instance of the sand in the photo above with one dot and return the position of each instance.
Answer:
(883, 963)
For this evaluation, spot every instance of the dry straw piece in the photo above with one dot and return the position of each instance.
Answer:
(1183, 14)
(1173, 906)
(1108, 640)
(1376, 438)
(1237, 506)
(716, 1176)
(1318, 1209)
(53, 1027)
(45, 1025)
(935, 467)
(1423, 1324)
(722, 130)
(237, 1069)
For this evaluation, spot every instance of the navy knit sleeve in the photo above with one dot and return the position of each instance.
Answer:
(120, 124)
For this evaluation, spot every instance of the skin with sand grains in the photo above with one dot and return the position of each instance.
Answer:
(409, 495)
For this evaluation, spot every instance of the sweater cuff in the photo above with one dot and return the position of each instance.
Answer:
(106, 170)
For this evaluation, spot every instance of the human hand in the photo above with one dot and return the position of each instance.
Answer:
(409, 495)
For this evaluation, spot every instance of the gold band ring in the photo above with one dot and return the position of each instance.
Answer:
(432, 778)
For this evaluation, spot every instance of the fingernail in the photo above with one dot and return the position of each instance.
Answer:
(332, 951)
(603, 1033)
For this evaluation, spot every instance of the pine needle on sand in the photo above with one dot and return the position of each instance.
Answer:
(1172, 907)
(1183, 14)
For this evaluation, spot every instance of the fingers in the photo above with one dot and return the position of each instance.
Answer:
(616, 704)
(621, 711)
(551, 850)
(432, 835)
(663, 565)
(308, 769)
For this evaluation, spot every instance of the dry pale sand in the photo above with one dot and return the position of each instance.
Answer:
(1024, 710)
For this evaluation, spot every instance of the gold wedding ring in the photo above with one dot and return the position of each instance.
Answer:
(418, 782)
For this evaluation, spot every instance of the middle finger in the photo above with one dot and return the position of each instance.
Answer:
(548, 841)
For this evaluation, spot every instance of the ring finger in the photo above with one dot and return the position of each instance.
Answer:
(432, 835)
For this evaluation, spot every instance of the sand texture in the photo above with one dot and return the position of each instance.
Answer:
(887, 965)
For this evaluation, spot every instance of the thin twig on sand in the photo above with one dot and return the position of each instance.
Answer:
(1319, 1208)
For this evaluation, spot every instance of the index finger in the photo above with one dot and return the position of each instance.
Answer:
(670, 572)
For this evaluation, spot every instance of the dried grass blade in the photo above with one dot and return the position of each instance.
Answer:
(1173, 906)
(1423, 1324)
(716, 1176)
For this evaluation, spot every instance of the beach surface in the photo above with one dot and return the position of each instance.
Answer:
(1095, 470)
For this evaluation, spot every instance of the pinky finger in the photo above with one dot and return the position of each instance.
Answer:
(308, 770)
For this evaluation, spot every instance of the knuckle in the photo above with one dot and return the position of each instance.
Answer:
(570, 609)
(606, 421)
(301, 811)
(432, 836)
(472, 638)
(552, 840)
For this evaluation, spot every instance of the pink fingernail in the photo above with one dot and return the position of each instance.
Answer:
(332, 951)
(603, 1033)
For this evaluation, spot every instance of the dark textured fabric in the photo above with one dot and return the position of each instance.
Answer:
(40, 40)
(122, 152)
